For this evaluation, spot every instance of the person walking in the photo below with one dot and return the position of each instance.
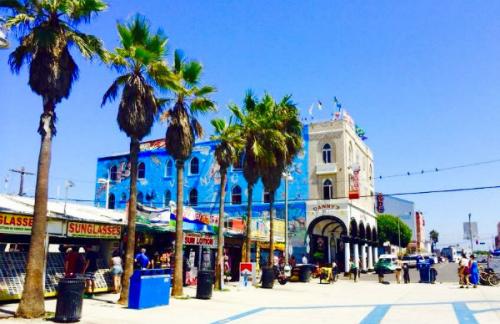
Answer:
(398, 270)
(406, 272)
(142, 260)
(474, 271)
(354, 270)
(334, 270)
(462, 265)
(116, 271)
(304, 259)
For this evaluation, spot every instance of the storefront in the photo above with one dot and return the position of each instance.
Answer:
(102, 234)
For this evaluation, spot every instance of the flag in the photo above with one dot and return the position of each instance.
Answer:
(320, 105)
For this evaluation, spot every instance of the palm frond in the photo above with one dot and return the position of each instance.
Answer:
(112, 92)
(178, 60)
(21, 20)
(196, 128)
(191, 72)
(89, 45)
(202, 105)
(203, 91)
(83, 10)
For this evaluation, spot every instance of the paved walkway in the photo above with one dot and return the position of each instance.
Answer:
(343, 302)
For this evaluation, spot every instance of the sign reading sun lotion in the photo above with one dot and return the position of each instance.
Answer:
(102, 231)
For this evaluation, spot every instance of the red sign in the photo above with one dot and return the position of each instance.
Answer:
(246, 267)
(199, 239)
(380, 203)
(354, 185)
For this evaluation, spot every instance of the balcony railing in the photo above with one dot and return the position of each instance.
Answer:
(326, 168)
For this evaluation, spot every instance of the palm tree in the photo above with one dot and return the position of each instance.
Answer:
(47, 30)
(140, 60)
(227, 152)
(284, 145)
(190, 99)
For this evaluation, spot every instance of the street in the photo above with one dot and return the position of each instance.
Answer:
(366, 301)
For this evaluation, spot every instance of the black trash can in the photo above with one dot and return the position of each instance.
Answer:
(305, 273)
(69, 300)
(267, 277)
(205, 284)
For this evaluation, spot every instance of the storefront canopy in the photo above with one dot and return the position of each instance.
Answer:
(55, 209)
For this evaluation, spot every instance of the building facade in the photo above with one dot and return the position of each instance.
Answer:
(330, 194)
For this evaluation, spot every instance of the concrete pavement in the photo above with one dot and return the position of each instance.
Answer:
(343, 302)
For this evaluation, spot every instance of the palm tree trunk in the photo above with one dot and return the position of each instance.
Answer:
(220, 241)
(248, 243)
(32, 302)
(132, 211)
(179, 235)
(270, 262)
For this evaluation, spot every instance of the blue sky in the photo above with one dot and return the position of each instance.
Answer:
(422, 78)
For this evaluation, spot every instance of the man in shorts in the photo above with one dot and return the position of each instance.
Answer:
(90, 269)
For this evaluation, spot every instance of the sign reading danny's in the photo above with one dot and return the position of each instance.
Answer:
(103, 231)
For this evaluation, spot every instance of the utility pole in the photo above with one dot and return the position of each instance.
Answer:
(470, 236)
(67, 184)
(22, 171)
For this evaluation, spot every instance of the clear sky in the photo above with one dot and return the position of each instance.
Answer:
(421, 77)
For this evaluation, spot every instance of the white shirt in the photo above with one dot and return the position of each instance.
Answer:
(304, 260)
(464, 262)
(117, 261)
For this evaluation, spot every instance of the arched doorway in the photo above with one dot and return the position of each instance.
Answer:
(326, 244)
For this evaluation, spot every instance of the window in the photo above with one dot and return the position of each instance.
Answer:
(168, 197)
(194, 167)
(113, 173)
(327, 153)
(327, 189)
(169, 166)
(236, 195)
(111, 201)
(141, 170)
(267, 197)
(140, 197)
(193, 197)
(238, 164)
(350, 154)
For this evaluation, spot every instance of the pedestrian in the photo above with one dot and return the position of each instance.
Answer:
(304, 259)
(334, 270)
(90, 269)
(380, 273)
(165, 260)
(186, 268)
(406, 272)
(116, 271)
(142, 260)
(354, 270)
(398, 270)
(293, 262)
(73, 262)
(474, 271)
(462, 265)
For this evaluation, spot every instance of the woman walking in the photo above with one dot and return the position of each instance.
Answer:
(398, 270)
(474, 271)
(116, 271)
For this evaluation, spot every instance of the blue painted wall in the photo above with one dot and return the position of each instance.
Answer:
(156, 182)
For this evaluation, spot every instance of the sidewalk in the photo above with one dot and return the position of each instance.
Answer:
(344, 301)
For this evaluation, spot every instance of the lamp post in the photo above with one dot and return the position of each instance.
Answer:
(67, 184)
(399, 238)
(470, 235)
(106, 181)
(286, 175)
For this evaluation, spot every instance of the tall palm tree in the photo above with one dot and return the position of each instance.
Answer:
(47, 30)
(190, 100)
(285, 145)
(227, 152)
(140, 60)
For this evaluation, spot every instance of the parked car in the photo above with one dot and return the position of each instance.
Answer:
(385, 264)
(411, 260)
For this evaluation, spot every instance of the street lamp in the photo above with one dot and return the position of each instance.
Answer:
(106, 181)
(67, 184)
(470, 235)
(287, 176)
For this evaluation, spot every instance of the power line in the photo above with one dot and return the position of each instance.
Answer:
(425, 192)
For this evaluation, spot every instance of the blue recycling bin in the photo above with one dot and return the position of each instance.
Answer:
(424, 269)
(149, 288)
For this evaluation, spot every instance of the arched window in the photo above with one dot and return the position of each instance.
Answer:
(238, 164)
(169, 166)
(327, 189)
(193, 197)
(168, 197)
(141, 170)
(113, 173)
(111, 201)
(327, 153)
(140, 197)
(236, 195)
(267, 197)
(194, 166)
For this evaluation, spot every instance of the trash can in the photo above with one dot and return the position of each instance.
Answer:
(149, 288)
(205, 284)
(425, 272)
(267, 277)
(305, 273)
(69, 300)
